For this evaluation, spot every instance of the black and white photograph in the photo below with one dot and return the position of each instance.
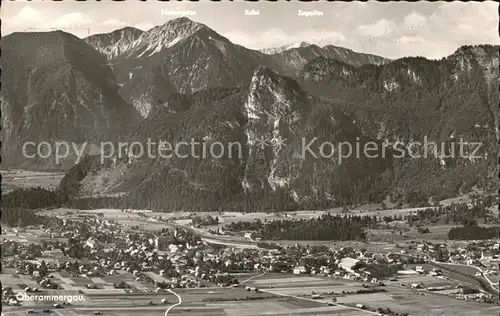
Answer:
(241, 158)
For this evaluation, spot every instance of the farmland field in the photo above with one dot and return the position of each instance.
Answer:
(14, 179)
(397, 298)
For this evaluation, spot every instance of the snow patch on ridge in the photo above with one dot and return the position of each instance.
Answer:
(277, 50)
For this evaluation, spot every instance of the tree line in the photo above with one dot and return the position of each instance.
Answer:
(473, 233)
(456, 213)
(33, 198)
(21, 217)
(325, 227)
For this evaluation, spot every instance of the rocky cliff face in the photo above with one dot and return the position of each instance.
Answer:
(429, 96)
(116, 44)
(446, 101)
(254, 170)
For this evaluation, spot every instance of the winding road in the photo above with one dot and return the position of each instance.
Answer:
(174, 305)
(484, 281)
(365, 311)
(305, 298)
(492, 284)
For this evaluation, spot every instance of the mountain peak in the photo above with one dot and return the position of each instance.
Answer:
(118, 33)
(128, 29)
(300, 44)
(263, 72)
(476, 50)
(166, 35)
(181, 24)
(281, 87)
(182, 20)
(277, 50)
(116, 43)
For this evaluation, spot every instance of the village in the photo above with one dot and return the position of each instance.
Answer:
(112, 259)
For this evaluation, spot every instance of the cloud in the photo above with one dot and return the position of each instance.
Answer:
(466, 23)
(146, 26)
(27, 14)
(436, 34)
(113, 22)
(240, 39)
(380, 28)
(110, 25)
(415, 20)
(269, 38)
(27, 19)
(329, 37)
(71, 20)
(409, 40)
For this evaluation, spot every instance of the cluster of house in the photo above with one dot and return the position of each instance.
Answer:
(172, 258)
(179, 258)
(483, 254)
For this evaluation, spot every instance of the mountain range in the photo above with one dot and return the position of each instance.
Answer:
(183, 81)
(190, 57)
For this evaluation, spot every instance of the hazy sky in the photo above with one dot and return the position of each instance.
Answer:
(391, 30)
